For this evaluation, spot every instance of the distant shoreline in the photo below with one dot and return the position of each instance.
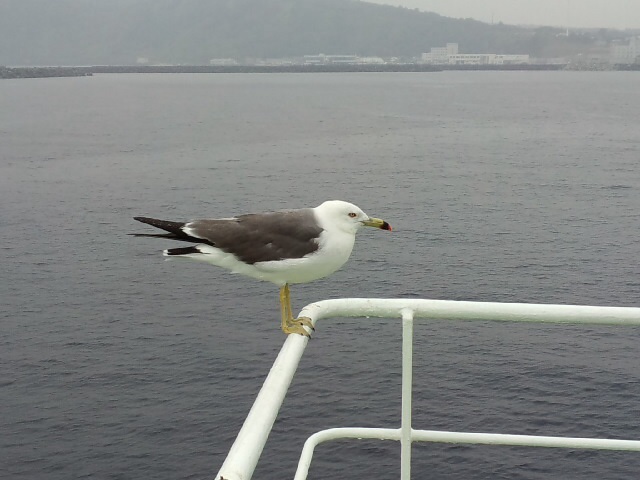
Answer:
(324, 68)
(45, 72)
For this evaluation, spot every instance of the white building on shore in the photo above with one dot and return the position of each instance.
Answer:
(625, 54)
(449, 56)
(223, 62)
(322, 59)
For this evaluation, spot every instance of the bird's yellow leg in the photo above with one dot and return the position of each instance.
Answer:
(284, 308)
(289, 324)
(305, 321)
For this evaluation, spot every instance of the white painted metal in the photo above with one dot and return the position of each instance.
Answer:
(243, 456)
(456, 437)
(525, 440)
(407, 386)
(452, 310)
(338, 433)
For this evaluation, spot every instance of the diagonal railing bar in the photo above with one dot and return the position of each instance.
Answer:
(245, 452)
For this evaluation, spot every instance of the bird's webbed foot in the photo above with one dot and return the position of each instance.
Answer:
(297, 325)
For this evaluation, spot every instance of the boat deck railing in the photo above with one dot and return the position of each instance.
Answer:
(245, 451)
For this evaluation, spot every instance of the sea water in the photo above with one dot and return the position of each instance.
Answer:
(500, 186)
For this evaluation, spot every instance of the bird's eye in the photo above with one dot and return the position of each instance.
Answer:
(353, 215)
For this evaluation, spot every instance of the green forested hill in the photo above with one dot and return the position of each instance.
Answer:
(83, 32)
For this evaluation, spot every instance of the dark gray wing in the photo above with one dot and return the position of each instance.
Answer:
(261, 237)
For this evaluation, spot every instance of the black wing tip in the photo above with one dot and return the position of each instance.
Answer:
(153, 235)
(166, 225)
(171, 252)
(146, 219)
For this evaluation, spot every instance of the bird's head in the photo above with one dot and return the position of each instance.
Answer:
(347, 217)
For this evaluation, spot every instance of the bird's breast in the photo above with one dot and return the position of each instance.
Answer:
(333, 251)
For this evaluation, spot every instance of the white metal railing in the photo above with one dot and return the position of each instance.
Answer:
(245, 452)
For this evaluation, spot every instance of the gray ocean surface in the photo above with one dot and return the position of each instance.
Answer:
(500, 186)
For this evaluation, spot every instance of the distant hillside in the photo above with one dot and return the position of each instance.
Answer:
(89, 32)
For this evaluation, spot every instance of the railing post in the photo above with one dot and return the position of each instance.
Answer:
(407, 381)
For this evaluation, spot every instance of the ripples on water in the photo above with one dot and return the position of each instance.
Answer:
(501, 186)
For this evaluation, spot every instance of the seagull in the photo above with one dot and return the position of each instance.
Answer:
(285, 247)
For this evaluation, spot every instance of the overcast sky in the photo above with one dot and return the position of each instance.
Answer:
(572, 13)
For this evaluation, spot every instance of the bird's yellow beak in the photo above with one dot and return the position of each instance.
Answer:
(377, 223)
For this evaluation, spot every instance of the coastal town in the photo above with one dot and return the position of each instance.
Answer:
(621, 53)
(618, 56)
